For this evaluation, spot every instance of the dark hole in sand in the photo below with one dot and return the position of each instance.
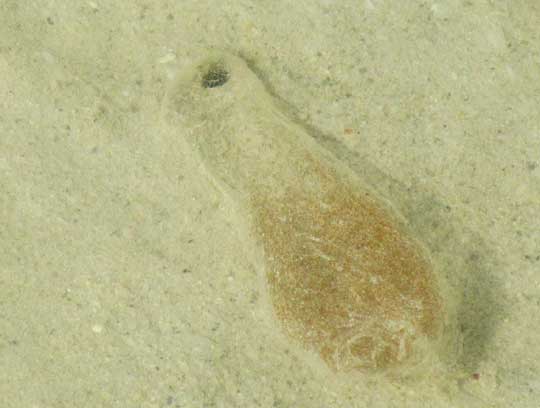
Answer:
(217, 75)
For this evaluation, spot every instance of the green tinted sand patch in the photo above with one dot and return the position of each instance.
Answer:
(346, 279)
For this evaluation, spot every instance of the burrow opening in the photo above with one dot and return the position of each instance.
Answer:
(215, 76)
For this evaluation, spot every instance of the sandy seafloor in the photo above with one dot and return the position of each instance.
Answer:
(127, 279)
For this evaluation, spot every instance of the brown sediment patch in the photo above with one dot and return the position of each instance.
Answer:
(344, 277)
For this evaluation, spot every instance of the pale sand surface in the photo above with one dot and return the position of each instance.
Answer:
(129, 279)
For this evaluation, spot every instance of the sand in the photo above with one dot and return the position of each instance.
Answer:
(129, 275)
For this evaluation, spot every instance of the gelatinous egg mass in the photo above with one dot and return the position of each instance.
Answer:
(345, 277)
